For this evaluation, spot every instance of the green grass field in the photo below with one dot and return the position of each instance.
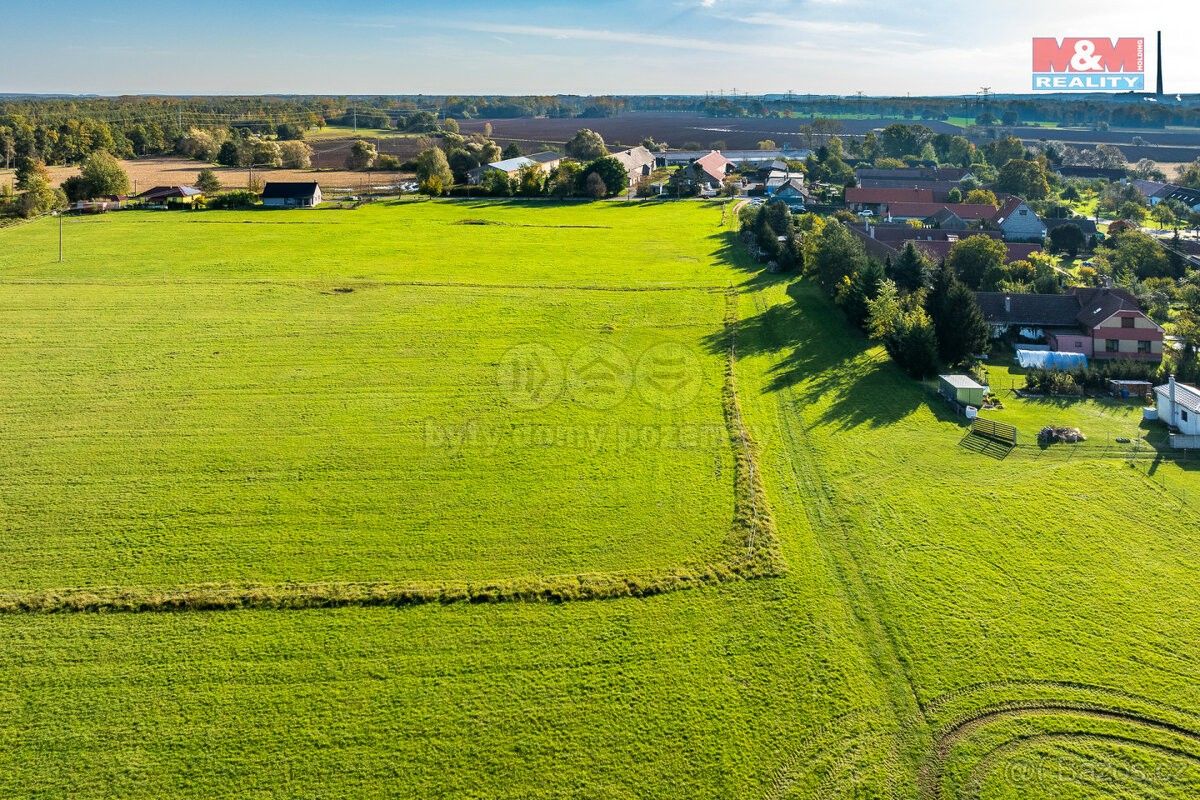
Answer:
(196, 398)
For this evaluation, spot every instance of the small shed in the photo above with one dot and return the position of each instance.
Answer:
(961, 389)
(1128, 389)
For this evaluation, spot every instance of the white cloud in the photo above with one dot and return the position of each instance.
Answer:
(856, 28)
(713, 45)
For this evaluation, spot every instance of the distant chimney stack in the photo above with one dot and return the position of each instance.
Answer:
(1160, 82)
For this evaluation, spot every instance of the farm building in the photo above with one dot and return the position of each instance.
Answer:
(1098, 323)
(961, 389)
(637, 161)
(742, 158)
(546, 159)
(170, 195)
(912, 176)
(1156, 192)
(279, 194)
(1179, 406)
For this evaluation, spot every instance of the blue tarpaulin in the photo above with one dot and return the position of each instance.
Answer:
(1050, 359)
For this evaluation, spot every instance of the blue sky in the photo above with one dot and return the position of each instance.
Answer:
(527, 47)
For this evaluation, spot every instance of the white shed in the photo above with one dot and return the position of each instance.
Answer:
(1179, 406)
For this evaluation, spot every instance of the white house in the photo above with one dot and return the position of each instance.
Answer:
(1179, 406)
(1018, 222)
(278, 194)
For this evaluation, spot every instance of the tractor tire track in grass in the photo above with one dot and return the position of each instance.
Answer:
(833, 539)
(750, 550)
(1082, 705)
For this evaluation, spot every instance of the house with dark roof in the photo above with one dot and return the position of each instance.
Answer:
(886, 241)
(1182, 194)
(1151, 191)
(970, 212)
(793, 192)
(911, 175)
(1018, 222)
(860, 199)
(1100, 323)
(290, 194)
(1086, 226)
(941, 189)
(946, 219)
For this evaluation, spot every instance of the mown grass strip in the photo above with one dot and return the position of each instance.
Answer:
(751, 550)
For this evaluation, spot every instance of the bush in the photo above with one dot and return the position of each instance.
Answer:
(1094, 377)
(239, 198)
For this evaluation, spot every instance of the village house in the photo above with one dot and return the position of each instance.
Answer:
(281, 194)
(1018, 222)
(1101, 323)
(793, 192)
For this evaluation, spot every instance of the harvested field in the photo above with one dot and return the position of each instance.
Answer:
(675, 129)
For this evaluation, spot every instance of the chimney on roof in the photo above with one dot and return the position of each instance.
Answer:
(1171, 395)
(1007, 304)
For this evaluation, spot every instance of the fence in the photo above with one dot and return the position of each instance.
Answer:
(1182, 441)
(1000, 431)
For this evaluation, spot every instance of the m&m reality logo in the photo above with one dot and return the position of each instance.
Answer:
(1094, 64)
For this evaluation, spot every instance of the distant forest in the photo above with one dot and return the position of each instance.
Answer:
(56, 130)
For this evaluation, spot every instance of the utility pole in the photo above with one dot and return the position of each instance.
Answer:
(59, 214)
(356, 120)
